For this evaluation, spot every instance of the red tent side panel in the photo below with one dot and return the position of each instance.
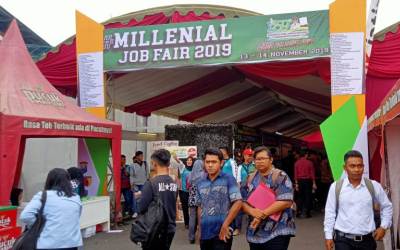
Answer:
(9, 147)
(116, 156)
(20, 161)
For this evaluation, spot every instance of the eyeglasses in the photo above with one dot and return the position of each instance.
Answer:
(262, 158)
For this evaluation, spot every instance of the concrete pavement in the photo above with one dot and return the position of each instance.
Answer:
(309, 237)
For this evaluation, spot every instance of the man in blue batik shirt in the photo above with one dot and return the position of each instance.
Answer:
(219, 201)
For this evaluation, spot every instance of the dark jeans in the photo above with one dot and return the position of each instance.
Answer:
(184, 197)
(215, 244)
(305, 196)
(239, 218)
(192, 223)
(277, 243)
(128, 197)
(162, 242)
(343, 243)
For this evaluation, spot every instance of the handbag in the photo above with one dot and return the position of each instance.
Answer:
(29, 238)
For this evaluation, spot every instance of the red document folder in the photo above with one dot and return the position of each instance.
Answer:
(262, 197)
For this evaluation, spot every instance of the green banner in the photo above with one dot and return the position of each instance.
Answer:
(236, 40)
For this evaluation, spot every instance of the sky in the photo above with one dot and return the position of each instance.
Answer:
(54, 20)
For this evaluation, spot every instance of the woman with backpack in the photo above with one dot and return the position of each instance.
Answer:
(263, 231)
(62, 211)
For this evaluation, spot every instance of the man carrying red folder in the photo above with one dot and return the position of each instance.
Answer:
(271, 224)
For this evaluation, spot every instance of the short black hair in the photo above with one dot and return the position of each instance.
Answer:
(162, 157)
(352, 153)
(225, 148)
(213, 151)
(138, 153)
(123, 156)
(260, 149)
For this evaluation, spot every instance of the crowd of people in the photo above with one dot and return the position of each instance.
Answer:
(214, 193)
(218, 190)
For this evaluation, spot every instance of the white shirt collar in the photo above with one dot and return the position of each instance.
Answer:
(346, 182)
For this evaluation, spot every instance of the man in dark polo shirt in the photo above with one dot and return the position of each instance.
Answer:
(167, 190)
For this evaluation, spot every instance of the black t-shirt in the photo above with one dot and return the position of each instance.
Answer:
(167, 190)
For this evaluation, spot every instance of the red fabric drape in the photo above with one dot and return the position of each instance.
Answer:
(376, 89)
(203, 85)
(257, 74)
(385, 56)
(219, 105)
(375, 165)
(60, 67)
(191, 16)
(317, 67)
(314, 140)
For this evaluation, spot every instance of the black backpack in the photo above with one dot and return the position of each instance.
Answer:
(148, 225)
(29, 238)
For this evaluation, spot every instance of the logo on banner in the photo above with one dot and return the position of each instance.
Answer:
(6, 242)
(40, 97)
(286, 29)
(5, 221)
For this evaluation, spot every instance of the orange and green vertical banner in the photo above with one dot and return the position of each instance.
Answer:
(346, 128)
(89, 49)
(95, 152)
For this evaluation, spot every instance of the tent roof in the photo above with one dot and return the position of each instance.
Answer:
(289, 97)
(25, 92)
(35, 44)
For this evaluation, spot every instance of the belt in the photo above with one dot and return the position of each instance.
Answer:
(355, 237)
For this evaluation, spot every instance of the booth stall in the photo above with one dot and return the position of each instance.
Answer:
(30, 107)
(384, 127)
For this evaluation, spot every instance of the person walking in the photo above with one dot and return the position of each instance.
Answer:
(326, 180)
(184, 191)
(167, 191)
(304, 176)
(126, 190)
(246, 168)
(194, 176)
(62, 211)
(219, 201)
(349, 212)
(229, 165)
(139, 171)
(264, 233)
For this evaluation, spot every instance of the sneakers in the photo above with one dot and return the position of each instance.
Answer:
(134, 215)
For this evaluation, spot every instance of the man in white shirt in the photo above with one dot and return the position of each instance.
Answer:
(349, 224)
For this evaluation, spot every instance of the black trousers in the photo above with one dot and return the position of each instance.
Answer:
(184, 197)
(162, 242)
(305, 196)
(215, 244)
(343, 243)
(277, 243)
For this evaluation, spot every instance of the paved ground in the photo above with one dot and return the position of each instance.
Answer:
(309, 237)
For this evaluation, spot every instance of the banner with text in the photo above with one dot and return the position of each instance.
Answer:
(236, 40)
